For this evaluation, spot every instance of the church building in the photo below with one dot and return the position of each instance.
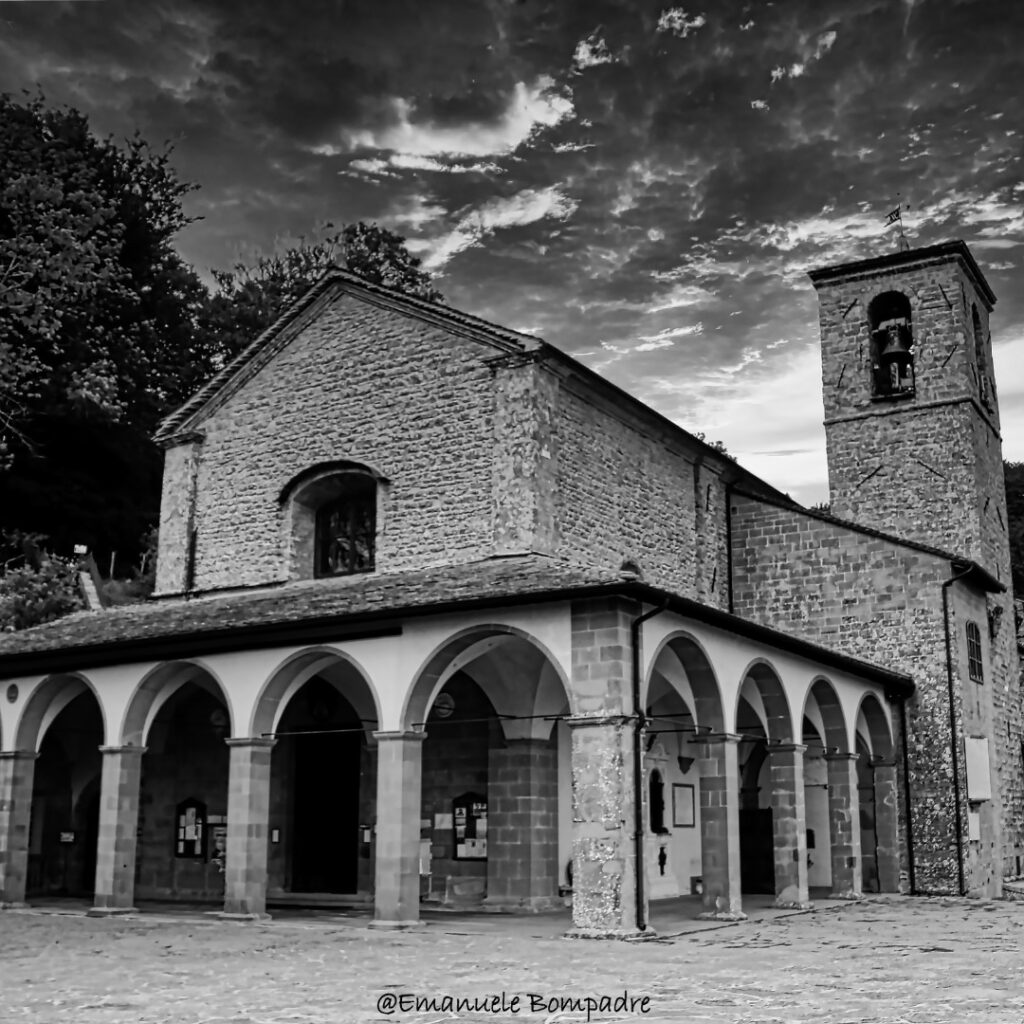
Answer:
(444, 618)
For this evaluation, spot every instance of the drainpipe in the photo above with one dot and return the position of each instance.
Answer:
(639, 724)
(911, 877)
(954, 743)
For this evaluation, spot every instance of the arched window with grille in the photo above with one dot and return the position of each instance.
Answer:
(331, 520)
(346, 530)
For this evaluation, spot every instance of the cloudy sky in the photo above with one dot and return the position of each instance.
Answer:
(643, 185)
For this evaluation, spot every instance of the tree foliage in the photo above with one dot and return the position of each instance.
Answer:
(97, 310)
(250, 298)
(35, 586)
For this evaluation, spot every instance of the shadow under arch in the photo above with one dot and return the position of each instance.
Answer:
(708, 709)
(295, 671)
(766, 681)
(879, 734)
(158, 686)
(46, 703)
(823, 693)
(432, 674)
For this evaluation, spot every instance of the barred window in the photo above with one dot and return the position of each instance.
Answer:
(346, 530)
(975, 667)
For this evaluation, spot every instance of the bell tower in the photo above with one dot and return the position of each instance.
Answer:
(911, 419)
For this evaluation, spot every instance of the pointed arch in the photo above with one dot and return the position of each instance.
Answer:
(158, 686)
(47, 701)
(708, 708)
(761, 676)
(296, 670)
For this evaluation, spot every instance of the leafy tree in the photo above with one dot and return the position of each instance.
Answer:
(97, 311)
(250, 299)
(98, 318)
(35, 587)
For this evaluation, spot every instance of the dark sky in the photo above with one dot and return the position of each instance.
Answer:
(643, 185)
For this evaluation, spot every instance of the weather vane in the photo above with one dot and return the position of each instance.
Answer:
(896, 217)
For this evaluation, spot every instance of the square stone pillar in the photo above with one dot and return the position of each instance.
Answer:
(17, 769)
(522, 826)
(245, 859)
(118, 827)
(887, 848)
(720, 827)
(789, 821)
(844, 826)
(396, 901)
(604, 865)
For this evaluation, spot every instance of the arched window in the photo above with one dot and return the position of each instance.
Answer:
(980, 361)
(657, 799)
(892, 345)
(331, 520)
(346, 530)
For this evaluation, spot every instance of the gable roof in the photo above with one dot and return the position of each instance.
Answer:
(181, 425)
(353, 607)
(298, 315)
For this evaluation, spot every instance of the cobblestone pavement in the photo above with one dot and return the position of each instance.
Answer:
(891, 960)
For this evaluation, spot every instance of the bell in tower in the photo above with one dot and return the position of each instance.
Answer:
(894, 366)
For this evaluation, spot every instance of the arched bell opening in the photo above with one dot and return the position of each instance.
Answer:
(892, 345)
(65, 797)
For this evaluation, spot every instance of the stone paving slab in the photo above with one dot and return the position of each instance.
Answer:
(883, 961)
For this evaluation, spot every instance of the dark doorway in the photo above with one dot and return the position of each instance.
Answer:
(757, 850)
(326, 745)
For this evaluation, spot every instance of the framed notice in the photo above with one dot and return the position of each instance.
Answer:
(682, 805)
(469, 823)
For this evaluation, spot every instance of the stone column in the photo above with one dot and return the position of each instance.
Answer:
(720, 827)
(17, 768)
(245, 859)
(522, 827)
(603, 860)
(118, 827)
(399, 796)
(789, 822)
(844, 826)
(887, 849)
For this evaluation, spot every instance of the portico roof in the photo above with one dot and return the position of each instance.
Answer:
(326, 610)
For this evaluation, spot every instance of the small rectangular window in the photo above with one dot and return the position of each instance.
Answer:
(975, 667)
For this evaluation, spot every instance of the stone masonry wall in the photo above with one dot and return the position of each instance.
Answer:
(879, 601)
(624, 495)
(366, 385)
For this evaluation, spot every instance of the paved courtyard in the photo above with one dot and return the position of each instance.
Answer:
(892, 960)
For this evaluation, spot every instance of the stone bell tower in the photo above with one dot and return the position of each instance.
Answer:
(914, 450)
(911, 419)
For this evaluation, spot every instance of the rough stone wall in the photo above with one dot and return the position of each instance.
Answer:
(623, 494)
(180, 466)
(366, 385)
(879, 601)
(526, 462)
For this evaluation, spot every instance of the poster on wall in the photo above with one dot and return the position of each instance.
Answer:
(469, 824)
(190, 829)
(682, 805)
